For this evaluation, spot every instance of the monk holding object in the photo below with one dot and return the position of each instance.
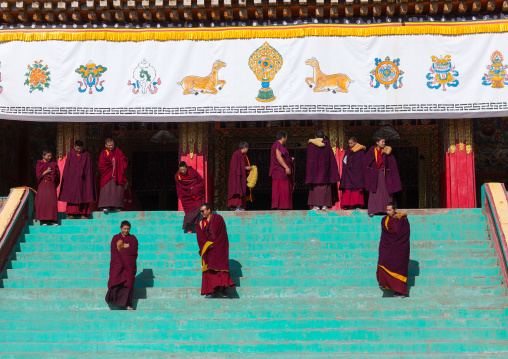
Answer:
(394, 249)
(282, 173)
(239, 170)
(122, 268)
(352, 182)
(190, 189)
(78, 187)
(48, 176)
(112, 168)
(322, 172)
(213, 245)
(381, 176)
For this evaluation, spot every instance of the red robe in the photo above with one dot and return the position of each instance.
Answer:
(113, 165)
(282, 184)
(213, 245)
(237, 183)
(122, 270)
(46, 203)
(190, 189)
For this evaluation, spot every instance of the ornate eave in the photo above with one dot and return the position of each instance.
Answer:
(176, 11)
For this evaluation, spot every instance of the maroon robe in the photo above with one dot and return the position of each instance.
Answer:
(237, 183)
(112, 168)
(190, 189)
(215, 257)
(78, 186)
(322, 172)
(391, 170)
(394, 250)
(282, 184)
(352, 182)
(46, 203)
(131, 200)
(122, 271)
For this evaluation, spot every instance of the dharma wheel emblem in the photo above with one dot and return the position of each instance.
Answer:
(265, 62)
(386, 73)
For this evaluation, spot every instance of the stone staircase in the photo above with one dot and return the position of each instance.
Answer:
(306, 287)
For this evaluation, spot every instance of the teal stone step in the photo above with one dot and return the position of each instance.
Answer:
(444, 263)
(258, 254)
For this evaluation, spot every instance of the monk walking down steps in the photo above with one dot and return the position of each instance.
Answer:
(122, 268)
(46, 204)
(214, 251)
(392, 268)
(190, 189)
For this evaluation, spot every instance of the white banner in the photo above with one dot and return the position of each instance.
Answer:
(418, 76)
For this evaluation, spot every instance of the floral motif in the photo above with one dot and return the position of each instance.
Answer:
(442, 73)
(91, 74)
(37, 77)
(386, 73)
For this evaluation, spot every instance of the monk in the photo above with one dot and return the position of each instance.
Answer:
(122, 268)
(392, 267)
(214, 251)
(46, 203)
(282, 173)
(381, 176)
(352, 182)
(78, 186)
(239, 170)
(190, 189)
(112, 168)
(322, 172)
(131, 201)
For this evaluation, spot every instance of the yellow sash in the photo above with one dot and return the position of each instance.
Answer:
(204, 267)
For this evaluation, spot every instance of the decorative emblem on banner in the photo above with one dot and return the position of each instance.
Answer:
(386, 73)
(145, 79)
(496, 77)
(91, 74)
(37, 77)
(442, 73)
(324, 83)
(193, 85)
(265, 62)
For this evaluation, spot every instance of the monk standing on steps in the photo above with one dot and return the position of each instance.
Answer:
(78, 186)
(112, 167)
(282, 173)
(322, 173)
(393, 262)
(214, 251)
(352, 182)
(381, 176)
(239, 170)
(122, 268)
(48, 176)
(190, 189)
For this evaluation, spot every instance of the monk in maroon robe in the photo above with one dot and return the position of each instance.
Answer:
(394, 249)
(46, 203)
(190, 189)
(352, 182)
(122, 268)
(131, 200)
(112, 167)
(239, 170)
(381, 176)
(282, 173)
(214, 251)
(322, 173)
(78, 186)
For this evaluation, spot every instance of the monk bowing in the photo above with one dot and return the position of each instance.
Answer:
(394, 249)
(282, 173)
(381, 176)
(78, 186)
(122, 268)
(112, 168)
(46, 203)
(352, 182)
(214, 251)
(190, 189)
(322, 172)
(239, 170)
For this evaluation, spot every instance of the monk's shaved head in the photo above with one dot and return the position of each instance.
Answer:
(320, 134)
(182, 164)
(243, 145)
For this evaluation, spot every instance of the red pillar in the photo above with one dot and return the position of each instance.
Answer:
(459, 185)
(193, 149)
(334, 129)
